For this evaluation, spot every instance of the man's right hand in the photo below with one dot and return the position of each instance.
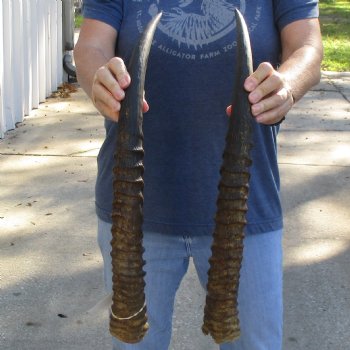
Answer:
(102, 76)
(108, 87)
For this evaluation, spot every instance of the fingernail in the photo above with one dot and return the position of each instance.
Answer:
(120, 94)
(256, 109)
(249, 85)
(254, 97)
(125, 80)
(116, 107)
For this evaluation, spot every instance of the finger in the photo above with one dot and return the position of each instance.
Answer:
(272, 102)
(105, 102)
(108, 113)
(101, 94)
(105, 77)
(272, 83)
(263, 71)
(273, 116)
(276, 114)
(118, 68)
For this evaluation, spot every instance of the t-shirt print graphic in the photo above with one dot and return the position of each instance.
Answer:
(196, 23)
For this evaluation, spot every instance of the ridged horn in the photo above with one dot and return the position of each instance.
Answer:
(221, 312)
(128, 318)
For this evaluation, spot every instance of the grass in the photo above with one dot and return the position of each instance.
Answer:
(335, 27)
(78, 21)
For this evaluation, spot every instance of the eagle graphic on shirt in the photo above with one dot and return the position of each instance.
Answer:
(197, 23)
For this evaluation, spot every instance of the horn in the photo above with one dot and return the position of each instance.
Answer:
(221, 313)
(128, 318)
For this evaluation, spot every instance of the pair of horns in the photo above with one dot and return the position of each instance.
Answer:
(128, 319)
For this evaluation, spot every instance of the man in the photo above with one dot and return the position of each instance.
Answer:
(188, 88)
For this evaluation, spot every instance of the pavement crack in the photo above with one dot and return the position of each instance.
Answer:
(315, 165)
(312, 130)
(339, 90)
(73, 155)
(82, 152)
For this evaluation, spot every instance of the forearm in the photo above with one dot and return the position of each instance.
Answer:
(86, 68)
(302, 53)
(301, 70)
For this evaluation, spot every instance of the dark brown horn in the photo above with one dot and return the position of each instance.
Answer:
(221, 313)
(128, 320)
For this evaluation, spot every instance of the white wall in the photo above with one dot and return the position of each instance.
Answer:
(30, 56)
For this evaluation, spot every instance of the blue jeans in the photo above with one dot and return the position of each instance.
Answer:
(167, 259)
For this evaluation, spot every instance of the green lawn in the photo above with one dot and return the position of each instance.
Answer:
(78, 21)
(335, 26)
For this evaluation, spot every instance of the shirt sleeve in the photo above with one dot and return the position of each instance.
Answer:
(107, 11)
(288, 11)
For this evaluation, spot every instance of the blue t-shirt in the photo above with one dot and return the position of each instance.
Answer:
(188, 87)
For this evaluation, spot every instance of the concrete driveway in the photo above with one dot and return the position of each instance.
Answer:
(51, 270)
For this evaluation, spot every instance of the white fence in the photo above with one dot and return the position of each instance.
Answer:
(30, 56)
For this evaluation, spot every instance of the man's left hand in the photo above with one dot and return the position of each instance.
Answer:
(269, 94)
